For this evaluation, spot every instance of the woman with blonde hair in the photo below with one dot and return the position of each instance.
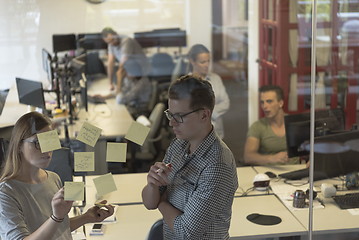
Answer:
(32, 204)
(199, 59)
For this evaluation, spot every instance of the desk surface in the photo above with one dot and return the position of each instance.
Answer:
(129, 189)
(12, 110)
(133, 222)
(241, 228)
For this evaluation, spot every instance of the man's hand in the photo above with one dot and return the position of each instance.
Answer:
(158, 174)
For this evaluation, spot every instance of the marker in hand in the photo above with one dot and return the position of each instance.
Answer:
(169, 165)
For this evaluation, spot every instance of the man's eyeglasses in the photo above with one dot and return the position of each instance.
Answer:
(179, 117)
(35, 142)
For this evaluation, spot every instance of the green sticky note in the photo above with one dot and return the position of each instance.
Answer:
(74, 191)
(89, 134)
(84, 161)
(49, 141)
(137, 133)
(105, 184)
(116, 152)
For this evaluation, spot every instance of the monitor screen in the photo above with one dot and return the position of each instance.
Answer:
(46, 64)
(334, 156)
(91, 41)
(297, 128)
(83, 86)
(63, 42)
(30, 93)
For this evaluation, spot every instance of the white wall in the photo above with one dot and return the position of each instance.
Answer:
(27, 26)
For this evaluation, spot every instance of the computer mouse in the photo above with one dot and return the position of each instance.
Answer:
(271, 174)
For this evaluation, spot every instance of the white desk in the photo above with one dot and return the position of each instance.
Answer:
(241, 228)
(328, 220)
(245, 181)
(129, 186)
(129, 189)
(133, 223)
(12, 110)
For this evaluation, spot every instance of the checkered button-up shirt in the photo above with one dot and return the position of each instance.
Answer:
(202, 186)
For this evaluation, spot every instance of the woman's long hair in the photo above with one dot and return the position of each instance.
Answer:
(27, 126)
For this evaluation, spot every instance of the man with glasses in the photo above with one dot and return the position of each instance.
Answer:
(121, 48)
(193, 187)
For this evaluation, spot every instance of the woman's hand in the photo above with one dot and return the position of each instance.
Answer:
(98, 214)
(60, 207)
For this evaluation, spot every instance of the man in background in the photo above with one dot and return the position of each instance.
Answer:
(266, 142)
(121, 48)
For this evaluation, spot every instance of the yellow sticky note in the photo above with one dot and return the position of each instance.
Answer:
(49, 141)
(74, 191)
(84, 161)
(137, 133)
(89, 134)
(116, 152)
(105, 184)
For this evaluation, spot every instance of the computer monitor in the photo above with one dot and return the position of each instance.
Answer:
(47, 65)
(91, 41)
(30, 93)
(83, 91)
(63, 42)
(297, 128)
(330, 163)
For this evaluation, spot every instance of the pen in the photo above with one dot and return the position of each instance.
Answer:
(169, 165)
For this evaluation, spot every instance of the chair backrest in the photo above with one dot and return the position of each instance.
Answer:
(155, 118)
(61, 164)
(162, 67)
(154, 96)
(156, 231)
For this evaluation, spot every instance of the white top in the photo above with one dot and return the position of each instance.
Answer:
(25, 207)
(221, 104)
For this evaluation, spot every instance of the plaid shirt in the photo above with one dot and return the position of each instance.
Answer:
(202, 187)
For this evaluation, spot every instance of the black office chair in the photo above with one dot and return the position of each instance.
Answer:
(162, 67)
(156, 231)
(61, 164)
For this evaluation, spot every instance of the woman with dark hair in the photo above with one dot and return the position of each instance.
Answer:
(32, 204)
(199, 59)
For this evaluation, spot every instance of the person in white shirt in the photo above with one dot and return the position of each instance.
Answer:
(199, 59)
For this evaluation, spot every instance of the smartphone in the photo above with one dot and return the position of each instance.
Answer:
(96, 229)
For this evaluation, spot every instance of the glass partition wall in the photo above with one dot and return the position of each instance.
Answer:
(252, 43)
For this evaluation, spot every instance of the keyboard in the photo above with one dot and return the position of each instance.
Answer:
(302, 173)
(347, 201)
(95, 100)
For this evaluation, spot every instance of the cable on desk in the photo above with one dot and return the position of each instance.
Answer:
(295, 183)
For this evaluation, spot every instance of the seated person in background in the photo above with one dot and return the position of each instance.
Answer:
(199, 59)
(32, 204)
(136, 89)
(121, 48)
(193, 187)
(266, 143)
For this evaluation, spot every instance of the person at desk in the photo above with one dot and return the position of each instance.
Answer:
(32, 204)
(136, 89)
(199, 59)
(193, 187)
(121, 48)
(266, 143)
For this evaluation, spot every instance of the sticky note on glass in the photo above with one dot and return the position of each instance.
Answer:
(49, 141)
(89, 134)
(137, 133)
(84, 161)
(105, 184)
(116, 152)
(74, 191)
